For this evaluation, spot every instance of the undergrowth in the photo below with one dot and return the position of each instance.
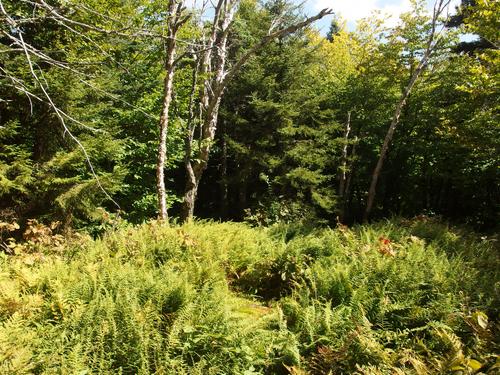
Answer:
(395, 297)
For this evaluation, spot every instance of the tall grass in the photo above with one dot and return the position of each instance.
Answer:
(396, 297)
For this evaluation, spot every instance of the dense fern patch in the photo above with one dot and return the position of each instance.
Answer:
(399, 297)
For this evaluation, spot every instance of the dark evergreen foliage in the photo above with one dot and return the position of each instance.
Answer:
(278, 153)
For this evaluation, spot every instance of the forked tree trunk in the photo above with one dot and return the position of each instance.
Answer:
(213, 69)
(214, 86)
(187, 208)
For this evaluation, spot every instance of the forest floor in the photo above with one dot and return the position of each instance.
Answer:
(395, 297)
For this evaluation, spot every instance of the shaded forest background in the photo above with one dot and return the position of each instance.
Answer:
(266, 121)
(299, 130)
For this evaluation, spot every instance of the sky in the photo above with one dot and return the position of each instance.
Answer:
(353, 10)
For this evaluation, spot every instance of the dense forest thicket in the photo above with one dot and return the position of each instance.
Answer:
(296, 136)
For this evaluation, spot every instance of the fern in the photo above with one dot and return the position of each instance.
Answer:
(207, 298)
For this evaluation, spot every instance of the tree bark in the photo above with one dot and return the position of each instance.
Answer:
(174, 22)
(164, 122)
(343, 170)
(439, 7)
(190, 193)
(215, 83)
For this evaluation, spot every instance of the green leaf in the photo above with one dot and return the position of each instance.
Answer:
(475, 365)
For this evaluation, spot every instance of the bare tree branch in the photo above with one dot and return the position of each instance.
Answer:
(60, 114)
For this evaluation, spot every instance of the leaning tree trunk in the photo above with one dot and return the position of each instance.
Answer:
(439, 8)
(388, 139)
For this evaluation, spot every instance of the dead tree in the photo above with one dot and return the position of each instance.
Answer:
(432, 43)
(212, 67)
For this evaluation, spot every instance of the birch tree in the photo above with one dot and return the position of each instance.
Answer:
(216, 76)
(440, 7)
(175, 19)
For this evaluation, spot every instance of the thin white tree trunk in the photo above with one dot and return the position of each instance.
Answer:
(214, 88)
(439, 7)
(388, 139)
(343, 170)
(174, 22)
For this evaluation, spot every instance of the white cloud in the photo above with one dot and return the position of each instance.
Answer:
(353, 10)
(349, 10)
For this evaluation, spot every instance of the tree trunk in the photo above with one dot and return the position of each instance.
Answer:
(388, 139)
(174, 22)
(164, 122)
(439, 7)
(343, 170)
(210, 97)
(190, 193)
(187, 209)
(215, 83)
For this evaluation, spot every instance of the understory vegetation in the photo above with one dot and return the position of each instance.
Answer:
(394, 297)
(219, 187)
